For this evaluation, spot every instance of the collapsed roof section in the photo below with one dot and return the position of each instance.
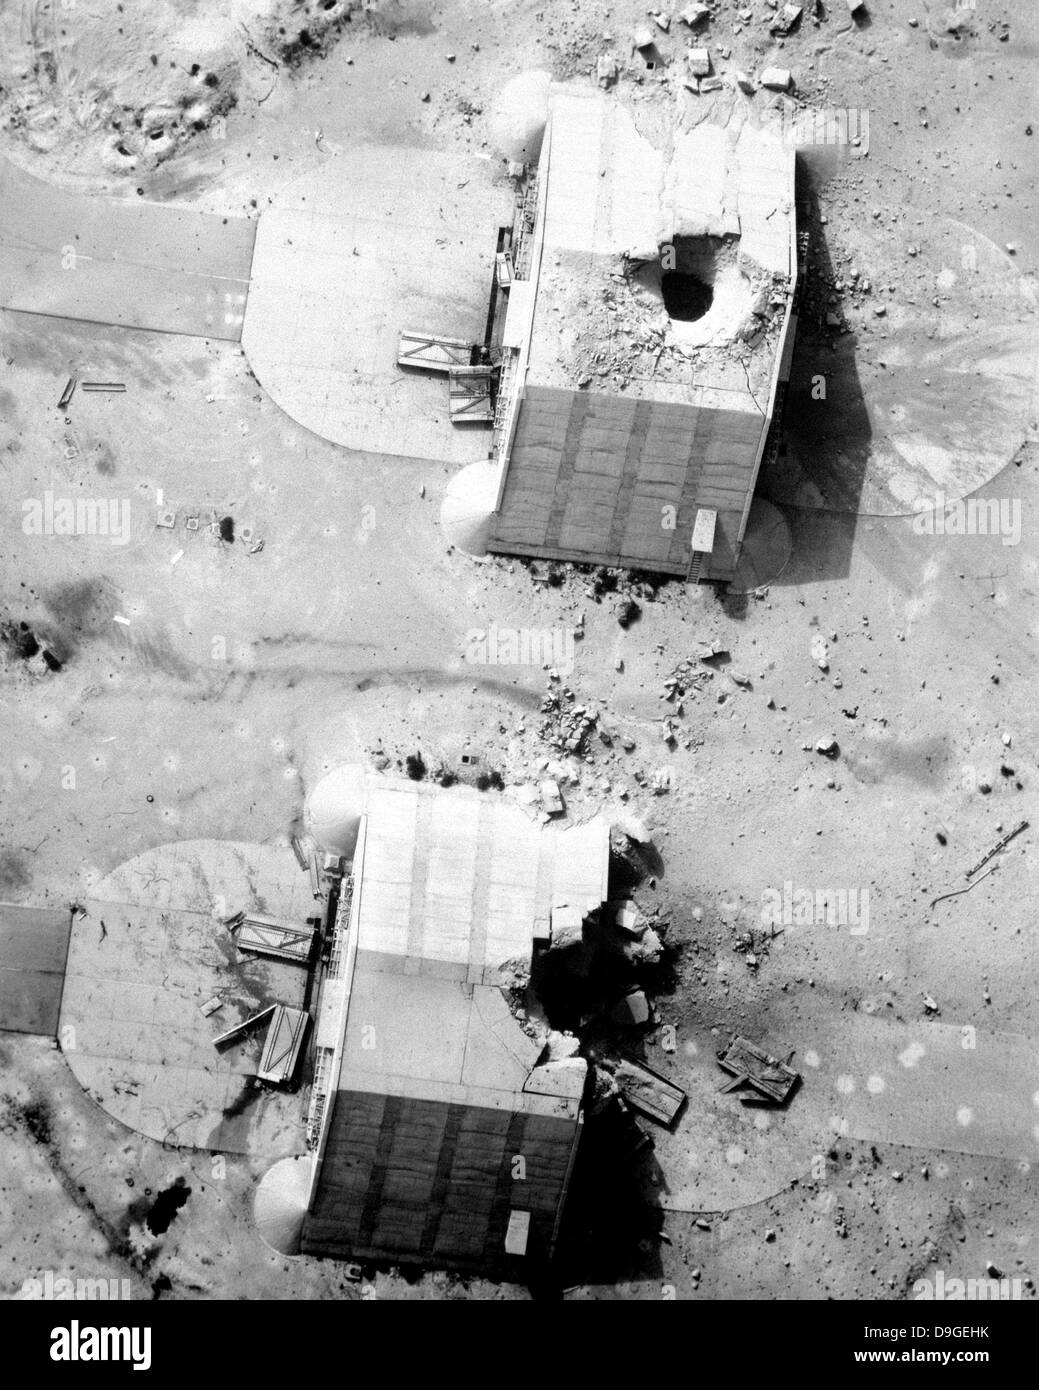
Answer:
(433, 1128)
(645, 343)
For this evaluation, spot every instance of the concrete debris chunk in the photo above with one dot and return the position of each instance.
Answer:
(562, 1045)
(698, 61)
(634, 829)
(526, 796)
(567, 927)
(564, 1078)
(786, 19)
(694, 15)
(626, 916)
(643, 38)
(647, 950)
(606, 70)
(777, 79)
(827, 746)
(631, 1011)
(551, 800)
(746, 83)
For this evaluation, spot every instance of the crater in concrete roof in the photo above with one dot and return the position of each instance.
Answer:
(686, 296)
(704, 289)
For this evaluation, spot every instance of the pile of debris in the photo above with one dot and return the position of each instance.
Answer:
(569, 725)
(687, 678)
(623, 333)
(636, 936)
(543, 800)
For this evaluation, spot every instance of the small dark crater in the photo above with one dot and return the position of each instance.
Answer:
(686, 297)
(19, 639)
(415, 766)
(165, 1207)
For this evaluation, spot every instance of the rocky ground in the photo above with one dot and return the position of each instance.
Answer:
(209, 713)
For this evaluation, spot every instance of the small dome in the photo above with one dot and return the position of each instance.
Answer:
(280, 1204)
(334, 809)
(520, 115)
(468, 506)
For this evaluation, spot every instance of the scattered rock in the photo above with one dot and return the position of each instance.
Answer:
(627, 612)
(698, 62)
(634, 829)
(632, 1010)
(694, 15)
(606, 71)
(562, 1045)
(787, 19)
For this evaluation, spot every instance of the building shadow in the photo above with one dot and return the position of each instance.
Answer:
(819, 468)
(611, 1224)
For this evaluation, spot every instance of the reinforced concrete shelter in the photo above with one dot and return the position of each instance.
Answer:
(646, 336)
(434, 1133)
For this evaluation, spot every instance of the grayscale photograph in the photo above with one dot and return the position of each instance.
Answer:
(518, 649)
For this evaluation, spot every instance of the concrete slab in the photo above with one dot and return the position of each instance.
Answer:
(927, 1085)
(33, 947)
(151, 950)
(133, 264)
(373, 241)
